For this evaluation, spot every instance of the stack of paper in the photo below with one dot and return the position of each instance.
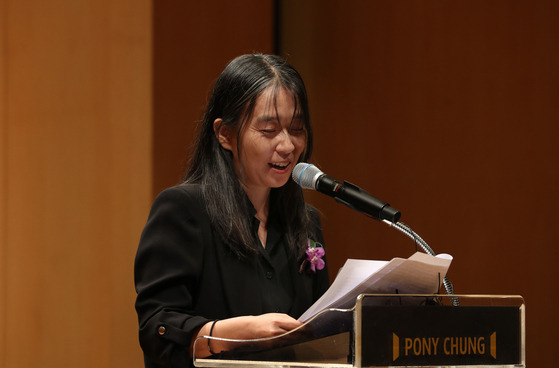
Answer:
(419, 274)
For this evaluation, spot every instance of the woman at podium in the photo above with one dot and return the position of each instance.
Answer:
(233, 251)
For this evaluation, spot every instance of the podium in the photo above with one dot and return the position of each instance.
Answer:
(393, 330)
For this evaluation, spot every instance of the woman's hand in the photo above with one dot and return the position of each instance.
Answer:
(265, 325)
(244, 328)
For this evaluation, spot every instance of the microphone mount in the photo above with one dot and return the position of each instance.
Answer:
(405, 229)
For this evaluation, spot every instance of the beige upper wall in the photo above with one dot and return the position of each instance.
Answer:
(75, 179)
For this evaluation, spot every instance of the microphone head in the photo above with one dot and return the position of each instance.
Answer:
(306, 175)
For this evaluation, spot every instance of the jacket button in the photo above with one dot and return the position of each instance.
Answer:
(269, 275)
(161, 330)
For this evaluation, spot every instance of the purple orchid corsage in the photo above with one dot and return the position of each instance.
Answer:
(315, 252)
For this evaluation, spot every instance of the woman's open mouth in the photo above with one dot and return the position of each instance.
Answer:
(279, 166)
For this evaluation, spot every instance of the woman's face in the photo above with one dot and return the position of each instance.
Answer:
(270, 143)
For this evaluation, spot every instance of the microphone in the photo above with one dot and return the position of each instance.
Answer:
(309, 176)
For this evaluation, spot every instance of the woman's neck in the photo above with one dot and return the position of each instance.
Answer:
(260, 199)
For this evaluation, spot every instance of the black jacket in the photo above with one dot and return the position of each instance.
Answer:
(186, 276)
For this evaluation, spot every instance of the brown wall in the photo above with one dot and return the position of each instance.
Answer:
(449, 111)
(3, 155)
(193, 41)
(75, 179)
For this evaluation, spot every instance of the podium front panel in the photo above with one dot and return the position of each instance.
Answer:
(427, 330)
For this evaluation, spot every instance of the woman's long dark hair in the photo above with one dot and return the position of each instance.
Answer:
(233, 98)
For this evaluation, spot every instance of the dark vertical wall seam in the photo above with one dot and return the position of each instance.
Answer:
(277, 27)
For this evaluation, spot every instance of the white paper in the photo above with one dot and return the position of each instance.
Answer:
(419, 274)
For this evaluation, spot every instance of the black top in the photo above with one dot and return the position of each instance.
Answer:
(186, 275)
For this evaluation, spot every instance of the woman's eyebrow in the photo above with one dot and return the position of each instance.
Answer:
(266, 118)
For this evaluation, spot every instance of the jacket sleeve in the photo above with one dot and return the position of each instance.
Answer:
(166, 273)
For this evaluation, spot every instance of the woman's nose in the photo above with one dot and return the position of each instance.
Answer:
(285, 144)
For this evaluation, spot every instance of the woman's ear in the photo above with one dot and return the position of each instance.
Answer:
(224, 134)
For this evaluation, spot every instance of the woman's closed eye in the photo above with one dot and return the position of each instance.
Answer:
(296, 130)
(268, 130)
(268, 127)
(297, 127)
